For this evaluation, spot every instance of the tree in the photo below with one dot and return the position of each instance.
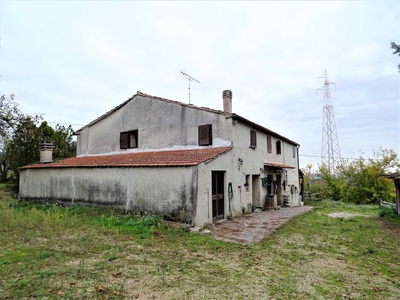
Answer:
(64, 145)
(396, 48)
(359, 181)
(13, 125)
(11, 116)
(20, 137)
(23, 147)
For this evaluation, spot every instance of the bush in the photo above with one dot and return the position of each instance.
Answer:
(359, 181)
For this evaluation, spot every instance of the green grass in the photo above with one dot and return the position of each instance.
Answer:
(50, 252)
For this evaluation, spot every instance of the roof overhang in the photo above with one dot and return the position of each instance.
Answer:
(278, 166)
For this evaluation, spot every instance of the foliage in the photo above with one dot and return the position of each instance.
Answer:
(396, 48)
(14, 124)
(359, 181)
(21, 147)
(61, 137)
(11, 117)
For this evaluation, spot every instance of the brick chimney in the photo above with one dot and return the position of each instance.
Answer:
(227, 97)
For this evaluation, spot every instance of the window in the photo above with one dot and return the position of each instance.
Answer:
(128, 139)
(278, 147)
(294, 151)
(205, 135)
(253, 139)
(269, 145)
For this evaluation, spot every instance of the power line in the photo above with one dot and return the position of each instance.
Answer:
(65, 123)
(299, 117)
(284, 120)
(286, 126)
(319, 156)
(365, 67)
(347, 87)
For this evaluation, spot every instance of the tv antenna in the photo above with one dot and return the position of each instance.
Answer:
(189, 78)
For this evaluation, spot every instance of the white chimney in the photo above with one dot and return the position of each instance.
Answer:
(227, 97)
(46, 152)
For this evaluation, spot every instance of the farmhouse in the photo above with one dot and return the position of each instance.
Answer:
(188, 163)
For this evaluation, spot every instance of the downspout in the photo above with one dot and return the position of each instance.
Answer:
(73, 186)
(208, 202)
(298, 171)
(127, 192)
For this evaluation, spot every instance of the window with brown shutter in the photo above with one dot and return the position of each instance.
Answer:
(205, 135)
(128, 139)
(269, 144)
(278, 147)
(253, 139)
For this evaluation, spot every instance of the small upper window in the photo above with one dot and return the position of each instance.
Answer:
(128, 139)
(294, 151)
(205, 135)
(269, 145)
(253, 139)
(278, 147)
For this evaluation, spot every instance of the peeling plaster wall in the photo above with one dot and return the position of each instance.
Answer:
(169, 192)
(160, 125)
(253, 164)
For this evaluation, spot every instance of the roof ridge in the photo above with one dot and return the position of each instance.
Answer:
(139, 93)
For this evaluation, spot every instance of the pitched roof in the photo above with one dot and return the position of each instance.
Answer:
(139, 93)
(235, 116)
(169, 158)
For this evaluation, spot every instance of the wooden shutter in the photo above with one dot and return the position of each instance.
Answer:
(205, 135)
(253, 139)
(278, 147)
(133, 139)
(124, 140)
(269, 145)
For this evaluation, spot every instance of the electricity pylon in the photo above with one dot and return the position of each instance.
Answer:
(330, 151)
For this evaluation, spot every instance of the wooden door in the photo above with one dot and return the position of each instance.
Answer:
(217, 195)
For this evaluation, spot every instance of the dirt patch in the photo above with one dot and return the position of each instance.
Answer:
(344, 215)
(392, 229)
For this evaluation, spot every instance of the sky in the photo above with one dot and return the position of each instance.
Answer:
(72, 61)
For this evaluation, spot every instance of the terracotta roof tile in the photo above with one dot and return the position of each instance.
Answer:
(169, 158)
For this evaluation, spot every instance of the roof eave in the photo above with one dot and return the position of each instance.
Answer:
(262, 128)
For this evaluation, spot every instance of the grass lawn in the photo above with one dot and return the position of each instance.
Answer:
(48, 252)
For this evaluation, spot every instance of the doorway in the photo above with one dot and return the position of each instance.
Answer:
(217, 195)
(279, 189)
(256, 182)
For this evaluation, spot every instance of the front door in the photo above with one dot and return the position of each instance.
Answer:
(279, 189)
(217, 195)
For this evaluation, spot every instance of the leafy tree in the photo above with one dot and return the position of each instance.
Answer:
(62, 138)
(359, 181)
(11, 116)
(396, 48)
(4, 166)
(64, 145)
(23, 147)
(20, 137)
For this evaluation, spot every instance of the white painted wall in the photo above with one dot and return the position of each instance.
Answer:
(165, 191)
(160, 125)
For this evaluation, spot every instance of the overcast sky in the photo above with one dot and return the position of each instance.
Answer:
(73, 61)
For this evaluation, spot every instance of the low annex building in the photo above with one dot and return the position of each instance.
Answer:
(188, 163)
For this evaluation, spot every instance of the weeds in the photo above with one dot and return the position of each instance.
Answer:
(51, 252)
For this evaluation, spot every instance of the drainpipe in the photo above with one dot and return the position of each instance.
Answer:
(73, 185)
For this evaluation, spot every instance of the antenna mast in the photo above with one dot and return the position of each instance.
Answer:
(189, 78)
(330, 151)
